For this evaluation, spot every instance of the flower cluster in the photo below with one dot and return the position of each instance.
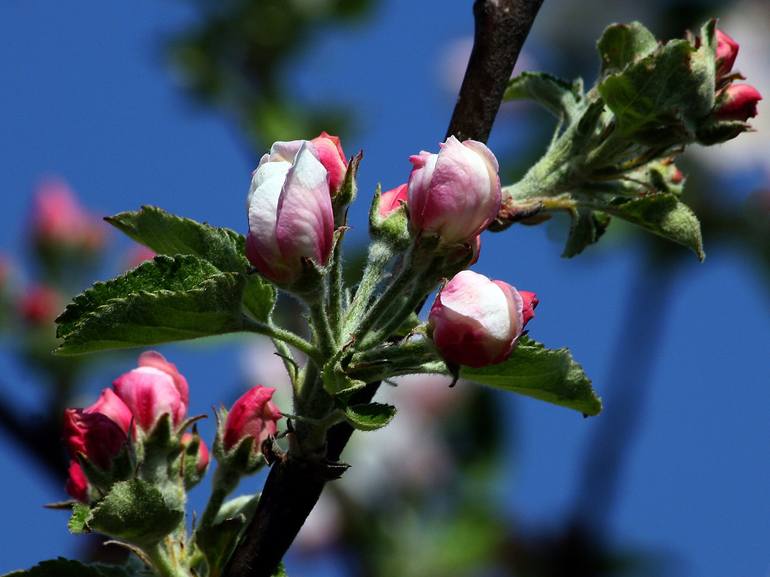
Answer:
(735, 101)
(451, 197)
(144, 404)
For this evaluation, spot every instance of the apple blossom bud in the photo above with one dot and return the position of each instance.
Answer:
(40, 305)
(727, 51)
(475, 321)
(158, 361)
(98, 432)
(149, 393)
(203, 456)
(392, 200)
(290, 212)
(530, 302)
(330, 154)
(253, 415)
(737, 102)
(59, 221)
(77, 483)
(454, 194)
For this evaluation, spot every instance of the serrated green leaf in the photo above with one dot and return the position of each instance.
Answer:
(564, 99)
(136, 512)
(664, 215)
(370, 416)
(586, 229)
(78, 522)
(545, 374)
(660, 99)
(68, 568)
(259, 297)
(170, 235)
(163, 273)
(164, 300)
(624, 44)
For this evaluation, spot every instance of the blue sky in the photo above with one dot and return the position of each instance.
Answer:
(88, 96)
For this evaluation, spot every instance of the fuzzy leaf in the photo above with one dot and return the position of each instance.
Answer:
(587, 228)
(67, 568)
(664, 215)
(169, 234)
(545, 374)
(624, 44)
(136, 512)
(563, 99)
(370, 416)
(164, 300)
(659, 99)
(78, 522)
(259, 297)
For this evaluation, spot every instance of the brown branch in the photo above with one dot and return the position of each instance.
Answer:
(502, 27)
(294, 486)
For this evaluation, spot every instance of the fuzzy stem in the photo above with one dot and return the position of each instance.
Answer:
(163, 566)
(280, 334)
(223, 484)
(380, 254)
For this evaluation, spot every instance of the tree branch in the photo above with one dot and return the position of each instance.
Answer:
(502, 27)
(294, 486)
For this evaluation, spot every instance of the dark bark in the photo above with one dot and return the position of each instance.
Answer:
(293, 486)
(502, 27)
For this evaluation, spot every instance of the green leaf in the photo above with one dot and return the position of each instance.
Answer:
(164, 300)
(564, 99)
(78, 522)
(259, 297)
(586, 229)
(545, 374)
(659, 99)
(624, 44)
(170, 235)
(370, 416)
(664, 215)
(136, 512)
(67, 568)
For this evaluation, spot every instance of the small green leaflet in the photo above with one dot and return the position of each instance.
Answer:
(370, 416)
(67, 568)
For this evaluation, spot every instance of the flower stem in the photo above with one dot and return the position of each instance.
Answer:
(281, 334)
(380, 254)
(163, 566)
(223, 484)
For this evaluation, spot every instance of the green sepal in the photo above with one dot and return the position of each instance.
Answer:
(163, 300)
(623, 44)
(563, 99)
(68, 568)
(535, 371)
(189, 462)
(135, 511)
(168, 234)
(394, 229)
(347, 192)
(369, 416)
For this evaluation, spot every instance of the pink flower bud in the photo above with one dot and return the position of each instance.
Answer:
(158, 361)
(391, 200)
(149, 393)
(329, 151)
(737, 102)
(59, 220)
(203, 452)
(454, 194)
(530, 302)
(727, 51)
(253, 415)
(40, 305)
(290, 212)
(476, 321)
(98, 432)
(77, 483)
